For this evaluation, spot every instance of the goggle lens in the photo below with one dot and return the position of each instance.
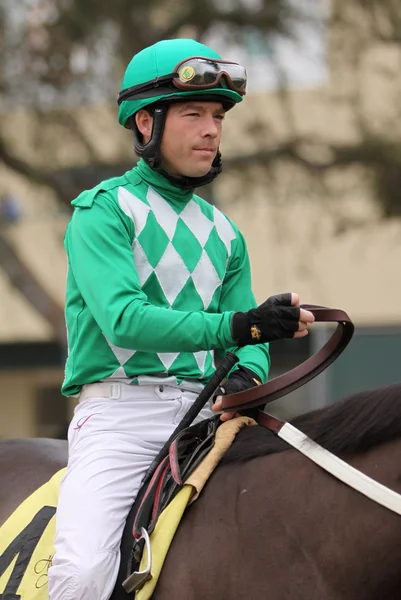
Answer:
(204, 73)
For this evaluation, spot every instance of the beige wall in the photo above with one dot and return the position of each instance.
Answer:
(19, 405)
(293, 248)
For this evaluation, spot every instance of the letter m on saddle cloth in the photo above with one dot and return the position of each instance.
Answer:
(186, 452)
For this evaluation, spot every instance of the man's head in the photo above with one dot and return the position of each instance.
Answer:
(174, 95)
(191, 136)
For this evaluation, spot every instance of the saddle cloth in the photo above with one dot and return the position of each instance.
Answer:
(27, 537)
(26, 544)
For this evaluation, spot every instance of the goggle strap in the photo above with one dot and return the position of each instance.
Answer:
(134, 91)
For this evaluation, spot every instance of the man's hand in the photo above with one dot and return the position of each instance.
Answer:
(241, 379)
(277, 318)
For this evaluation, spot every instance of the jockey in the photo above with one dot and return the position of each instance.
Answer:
(158, 280)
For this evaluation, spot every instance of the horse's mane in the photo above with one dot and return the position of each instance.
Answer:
(354, 424)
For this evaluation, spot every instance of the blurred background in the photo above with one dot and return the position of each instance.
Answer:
(312, 172)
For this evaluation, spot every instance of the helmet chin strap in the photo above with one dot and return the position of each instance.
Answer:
(150, 152)
(187, 183)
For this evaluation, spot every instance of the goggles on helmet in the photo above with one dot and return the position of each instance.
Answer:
(205, 73)
(196, 73)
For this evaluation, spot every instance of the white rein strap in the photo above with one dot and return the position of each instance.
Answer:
(340, 469)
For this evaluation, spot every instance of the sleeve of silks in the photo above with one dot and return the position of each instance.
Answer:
(236, 296)
(98, 242)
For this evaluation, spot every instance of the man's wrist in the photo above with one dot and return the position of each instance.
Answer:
(241, 379)
(244, 332)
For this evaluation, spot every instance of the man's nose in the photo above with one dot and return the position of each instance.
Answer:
(211, 127)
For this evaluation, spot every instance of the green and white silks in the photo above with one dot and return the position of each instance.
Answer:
(155, 274)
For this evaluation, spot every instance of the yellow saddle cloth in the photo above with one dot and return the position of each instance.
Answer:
(26, 543)
(27, 537)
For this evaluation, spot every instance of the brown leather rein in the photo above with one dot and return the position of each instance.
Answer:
(318, 362)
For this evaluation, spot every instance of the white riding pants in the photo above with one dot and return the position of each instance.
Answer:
(113, 438)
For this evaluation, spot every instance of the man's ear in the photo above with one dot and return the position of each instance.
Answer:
(144, 123)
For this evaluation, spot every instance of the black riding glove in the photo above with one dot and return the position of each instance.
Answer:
(241, 379)
(273, 320)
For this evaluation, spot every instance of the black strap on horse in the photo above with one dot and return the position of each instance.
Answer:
(303, 373)
(210, 388)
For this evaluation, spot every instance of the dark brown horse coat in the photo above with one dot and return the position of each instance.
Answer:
(271, 524)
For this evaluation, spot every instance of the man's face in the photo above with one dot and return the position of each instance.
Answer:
(191, 137)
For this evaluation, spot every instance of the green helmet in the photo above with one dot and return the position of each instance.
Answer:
(158, 61)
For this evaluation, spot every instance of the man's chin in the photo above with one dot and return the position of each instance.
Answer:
(199, 171)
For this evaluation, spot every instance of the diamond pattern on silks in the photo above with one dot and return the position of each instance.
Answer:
(134, 208)
(197, 222)
(173, 246)
(168, 358)
(171, 273)
(181, 258)
(123, 355)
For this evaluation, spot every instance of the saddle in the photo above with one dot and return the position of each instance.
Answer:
(186, 451)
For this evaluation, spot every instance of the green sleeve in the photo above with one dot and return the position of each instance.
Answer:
(237, 295)
(99, 247)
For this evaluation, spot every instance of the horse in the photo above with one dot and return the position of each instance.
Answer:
(270, 523)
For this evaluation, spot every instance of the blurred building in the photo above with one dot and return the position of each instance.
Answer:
(323, 238)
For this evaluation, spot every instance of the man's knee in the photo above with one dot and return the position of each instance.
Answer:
(89, 577)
